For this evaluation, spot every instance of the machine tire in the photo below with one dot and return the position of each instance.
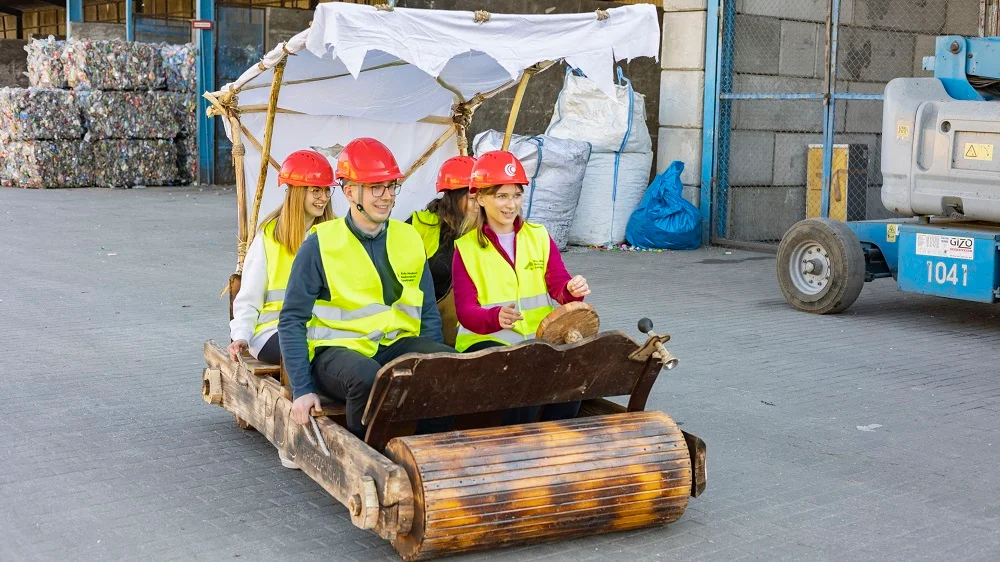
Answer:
(837, 266)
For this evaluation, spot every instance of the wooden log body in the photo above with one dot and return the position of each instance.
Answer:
(488, 488)
(257, 398)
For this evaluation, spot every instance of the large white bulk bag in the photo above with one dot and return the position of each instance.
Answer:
(606, 203)
(555, 168)
(584, 113)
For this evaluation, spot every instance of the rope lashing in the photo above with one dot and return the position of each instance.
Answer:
(318, 439)
(384, 7)
(481, 16)
(602, 14)
(284, 49)
(239, 150)
(261, 66)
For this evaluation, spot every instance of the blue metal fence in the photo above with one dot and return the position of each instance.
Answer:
(790, 78)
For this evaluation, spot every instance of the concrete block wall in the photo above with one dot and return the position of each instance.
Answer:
(96, 31)
(682, 88)
(13, 63)
(780, 48)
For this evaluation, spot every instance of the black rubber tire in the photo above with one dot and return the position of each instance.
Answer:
(847, 265)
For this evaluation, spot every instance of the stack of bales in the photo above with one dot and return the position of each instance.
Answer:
(114, 126)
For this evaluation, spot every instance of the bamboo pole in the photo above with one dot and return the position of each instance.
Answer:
(322, 78)
(430, 150)
(239, 151)
(518, 97)
(262, 108)
(265, 155)
(256, 144)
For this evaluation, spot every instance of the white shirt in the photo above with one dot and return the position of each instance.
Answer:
(507, 243)
(250, 300)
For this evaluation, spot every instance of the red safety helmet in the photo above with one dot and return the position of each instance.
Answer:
(306, 168)
(455, 173)
(367, 160)
(497, 167)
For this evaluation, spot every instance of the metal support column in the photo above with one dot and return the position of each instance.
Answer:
(129, 21)
(711, 106)
(830, 117)
(74, 13)
(206, 83)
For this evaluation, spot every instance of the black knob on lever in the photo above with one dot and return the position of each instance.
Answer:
(645, 325)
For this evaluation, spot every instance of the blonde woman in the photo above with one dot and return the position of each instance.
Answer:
(307, 176)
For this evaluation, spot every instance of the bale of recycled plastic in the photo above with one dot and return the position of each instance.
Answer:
(187, 159)
(129, 115)
(113, 65)
(47, 163)
(185, 112)
(46, 64)
(37, 113)
(179, 67)
(131, 163)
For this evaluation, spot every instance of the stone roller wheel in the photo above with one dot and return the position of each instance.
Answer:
(488, 488)
(569, 323)
(821, 266)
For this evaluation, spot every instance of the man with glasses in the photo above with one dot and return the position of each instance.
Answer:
(360, 293)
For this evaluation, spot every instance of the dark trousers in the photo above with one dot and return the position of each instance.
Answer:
(271, 352)
(348, 376)
(528, 414)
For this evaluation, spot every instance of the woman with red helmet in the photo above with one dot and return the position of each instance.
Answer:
(307, 176)
(439, 226)
(507, 272)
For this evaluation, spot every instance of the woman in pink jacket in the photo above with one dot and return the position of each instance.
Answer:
(507, 273)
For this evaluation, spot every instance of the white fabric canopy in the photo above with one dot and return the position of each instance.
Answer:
(358, 71)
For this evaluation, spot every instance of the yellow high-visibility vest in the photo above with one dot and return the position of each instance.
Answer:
(428, 225)
(497, 284)
(356, 317)
(279, 267)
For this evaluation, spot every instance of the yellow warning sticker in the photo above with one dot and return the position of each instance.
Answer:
(902, 130)
(891, 232)
(978, 151)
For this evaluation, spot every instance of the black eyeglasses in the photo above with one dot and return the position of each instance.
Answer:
(378, 190)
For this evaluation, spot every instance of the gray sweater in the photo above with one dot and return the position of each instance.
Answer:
(307, 284)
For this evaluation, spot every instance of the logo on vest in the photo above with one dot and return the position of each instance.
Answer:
(534, 264)
(407, 276)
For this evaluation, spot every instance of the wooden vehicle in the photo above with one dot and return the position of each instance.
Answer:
(612, 468)
(483, 485)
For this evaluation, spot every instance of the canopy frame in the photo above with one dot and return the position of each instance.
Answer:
(225, 103)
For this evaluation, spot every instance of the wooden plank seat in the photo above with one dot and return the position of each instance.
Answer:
(329, 407)
(260, 368)
(534, 373)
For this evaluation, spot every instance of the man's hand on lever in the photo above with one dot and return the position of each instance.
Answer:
(303, 405)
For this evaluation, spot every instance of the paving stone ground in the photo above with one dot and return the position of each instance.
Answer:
(862, 436)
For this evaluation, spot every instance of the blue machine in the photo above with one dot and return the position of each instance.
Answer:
(940, 168)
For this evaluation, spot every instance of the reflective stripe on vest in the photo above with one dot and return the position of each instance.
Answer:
(279, 267)
(428, 226)
(356, 317)
(498, 284)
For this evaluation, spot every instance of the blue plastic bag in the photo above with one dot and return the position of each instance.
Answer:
(664, 220)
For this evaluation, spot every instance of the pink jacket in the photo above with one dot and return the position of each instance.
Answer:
(487, 320)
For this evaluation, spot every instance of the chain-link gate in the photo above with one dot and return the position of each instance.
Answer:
(799, 118)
